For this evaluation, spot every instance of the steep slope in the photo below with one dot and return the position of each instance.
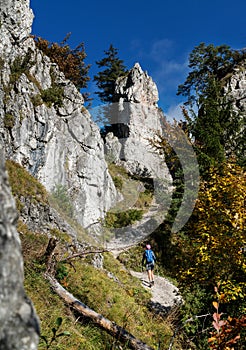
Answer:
(43, 123)
(88, 272)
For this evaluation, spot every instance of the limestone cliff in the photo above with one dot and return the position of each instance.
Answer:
(235, 92)
(43, 123)
(136, 120)
(236, 87)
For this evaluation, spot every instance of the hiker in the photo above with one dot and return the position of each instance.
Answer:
(150, 259)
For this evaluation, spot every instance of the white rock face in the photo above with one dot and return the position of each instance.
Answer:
(16, 20)
(235, 91)
(137, 120)
(137, 87)
(56, 142)
(237, 87)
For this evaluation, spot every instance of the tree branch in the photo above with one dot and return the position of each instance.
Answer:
(73, 256)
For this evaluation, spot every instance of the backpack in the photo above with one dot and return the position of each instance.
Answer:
(149, 256)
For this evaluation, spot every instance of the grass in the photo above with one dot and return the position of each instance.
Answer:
(25, 185)
(111, 291)
(137, 192)
(137, 196)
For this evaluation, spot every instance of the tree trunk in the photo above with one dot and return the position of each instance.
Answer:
(112, 328)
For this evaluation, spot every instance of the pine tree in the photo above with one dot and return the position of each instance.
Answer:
(211, 120)
(105, 79)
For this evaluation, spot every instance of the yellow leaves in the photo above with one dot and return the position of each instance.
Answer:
(215, 305)
(232, 290)
(244, 267)
(201, 209)
(222, 297)
(238, 221)
(217, 232)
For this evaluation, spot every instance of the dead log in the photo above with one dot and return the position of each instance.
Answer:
(110, 327)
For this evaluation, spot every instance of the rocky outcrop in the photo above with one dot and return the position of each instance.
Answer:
(235, 92)
(136, 120)
(19, 325)
(43, 123)
(136, 87)
(236, 88)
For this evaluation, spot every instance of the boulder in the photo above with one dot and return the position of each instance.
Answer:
(19, 324)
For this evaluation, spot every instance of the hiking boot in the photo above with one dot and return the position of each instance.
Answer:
(152, 283)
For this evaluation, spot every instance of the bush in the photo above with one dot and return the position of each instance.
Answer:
(53, 95)
(70, 61)
(122, 219)
(9, 121)
(20, 65)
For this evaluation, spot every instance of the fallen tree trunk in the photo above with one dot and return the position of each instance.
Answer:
(112, 328)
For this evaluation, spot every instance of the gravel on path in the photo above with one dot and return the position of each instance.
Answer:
(165, 295)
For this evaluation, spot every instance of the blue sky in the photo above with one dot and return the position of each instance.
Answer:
(159, 34)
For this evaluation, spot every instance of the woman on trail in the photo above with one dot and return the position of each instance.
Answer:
(149, 259)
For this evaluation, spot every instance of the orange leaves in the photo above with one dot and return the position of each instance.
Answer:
(70, 61)
(227, 331)
(217, 322)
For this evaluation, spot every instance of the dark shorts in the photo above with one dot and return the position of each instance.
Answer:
(150, 266)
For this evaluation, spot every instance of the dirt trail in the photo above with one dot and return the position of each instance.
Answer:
(165, 295)
(129, 236)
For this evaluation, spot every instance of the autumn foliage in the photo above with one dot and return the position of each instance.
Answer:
(226, 333)
(217, 232)
(70, 61)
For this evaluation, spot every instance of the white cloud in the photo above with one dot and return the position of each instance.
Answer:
(174, 112)
(160, 48)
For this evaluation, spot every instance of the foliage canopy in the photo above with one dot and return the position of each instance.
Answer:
(218, 131)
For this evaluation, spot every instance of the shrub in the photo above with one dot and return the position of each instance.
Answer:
(53, 95)
(70, 61)
(9, 121)
(122, 219)
(20, 65)
(36, 100)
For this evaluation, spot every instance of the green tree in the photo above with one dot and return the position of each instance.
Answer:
(105, 79)
(208, 62)
(211, 120)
